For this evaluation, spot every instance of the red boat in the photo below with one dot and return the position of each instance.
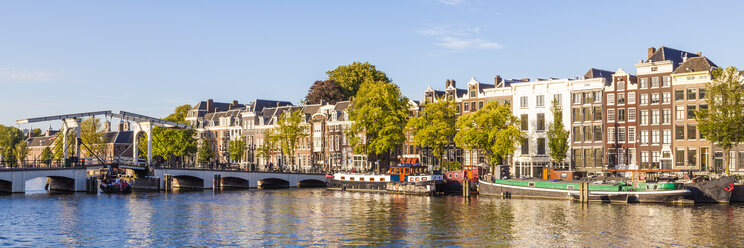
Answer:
(453, 179)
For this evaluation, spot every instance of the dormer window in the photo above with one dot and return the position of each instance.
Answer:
(473, 93)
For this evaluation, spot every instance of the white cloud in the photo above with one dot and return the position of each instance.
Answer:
(452, 2)
(14, 74)
(467, 43)
(447, 30)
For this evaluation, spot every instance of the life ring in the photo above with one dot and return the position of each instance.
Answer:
(396, 186)
(729, 188)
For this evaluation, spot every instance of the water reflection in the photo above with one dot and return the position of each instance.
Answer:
(320, 217)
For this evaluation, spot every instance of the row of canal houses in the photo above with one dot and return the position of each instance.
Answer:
(618, 121)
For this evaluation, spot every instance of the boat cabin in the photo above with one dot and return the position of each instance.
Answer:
(400, 173)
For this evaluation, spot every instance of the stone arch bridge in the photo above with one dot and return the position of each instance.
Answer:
(205, 179)
(66, 179)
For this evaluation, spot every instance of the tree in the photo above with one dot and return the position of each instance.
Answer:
(722, 122)
(557, 134)
(326, 90)
(205, 153)
(435, 127)
(352, 77)
(492, 129)
(268, 146)
(236, 149)
(46, 156)
(290, 130)
(9, 137)
(171, 144)
(57, 145)
(36, 132)
(21, 152)
(379, 114)
(93, 136)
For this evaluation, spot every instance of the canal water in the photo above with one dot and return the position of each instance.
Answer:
(317, 217)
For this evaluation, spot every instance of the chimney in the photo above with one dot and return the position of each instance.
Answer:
(235, 104)
(210, 105)
(700, 53)
(684, 57)
(125, 126)
(651, 51)
(49, 132)
(451, 82)
(496, 80)
(121, 126)
(107, 126)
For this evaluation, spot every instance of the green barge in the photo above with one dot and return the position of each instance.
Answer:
(604, 192)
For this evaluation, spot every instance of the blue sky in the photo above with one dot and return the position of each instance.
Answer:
(149, 57)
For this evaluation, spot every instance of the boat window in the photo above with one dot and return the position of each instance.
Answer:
(351, 178)
(382, 179)
(569, 187)
(342, 178)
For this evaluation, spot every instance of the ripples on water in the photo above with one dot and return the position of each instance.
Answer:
(317, 217)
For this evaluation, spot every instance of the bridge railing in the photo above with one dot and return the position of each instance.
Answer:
(238, 167)
(60, 163)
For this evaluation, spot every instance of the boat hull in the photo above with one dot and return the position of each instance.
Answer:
(713, 191)
(417, 188)
(505, 190)
(665, 196)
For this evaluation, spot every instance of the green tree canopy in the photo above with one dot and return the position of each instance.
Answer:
(557, 134)
(36, 132)
(289, 131)
(379, 114)
(326, 90)
(236, 149)
(205, 153)
(171, 143)
(269, 144)
(21, 152)
(351, 77)
(93, 136)
(723, 122)
(435, 126)
(57, 146)
(9, 137)
(46, 156)
(492, 129)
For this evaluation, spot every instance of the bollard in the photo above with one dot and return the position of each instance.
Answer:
(584, 192)
(167, 183)
(217, 183)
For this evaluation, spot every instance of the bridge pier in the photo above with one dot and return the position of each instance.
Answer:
(69, 179)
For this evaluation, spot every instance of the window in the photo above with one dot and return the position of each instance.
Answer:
(620, 114)
(655, 160)
(577, 98)
(740, 164)
(540, 100)
(691, 94)
(525, 122)
(631, 114)
(655, 137)
(655, 82)
(522, 102)
(666, 81)
(610, 99)
(597, 133)
(526, 147)
(587, 113)
(631, 156)
(655, 117)
(631, 97)
(644, 99)
(691, 112)
(679, 132)
(621, 134)
(611, 115)
(643, 83)
(578, 157)
(667, 136)
(466, 107)
(588, 137)
(577, 137)
(480, 105)
(621, 156)
(472, 93)
(666, 117)
(540, 146)
(666, 97)
(644, 160)
(654, 98)
(620, 98)
(679, 95)
(577, 114)
(691, 132)
(558, 99)
(644, 117)
(610, 135)
(680, 113)
(472, 106)
(597, 96)
(588, 97)
(679, 157)
(620, 85)
(631, 135)
(597, 113)
(644, 137)
(702, 94)
(691, 157)
(541, 122)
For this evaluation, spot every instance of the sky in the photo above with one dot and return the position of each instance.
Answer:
(148, 57)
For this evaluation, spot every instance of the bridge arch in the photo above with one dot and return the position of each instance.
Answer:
(230, 182)
(273, 183)
(6, 186)
(311, 183)
(188, 182)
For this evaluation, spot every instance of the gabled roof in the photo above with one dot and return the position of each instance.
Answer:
(674, 55)
(259, 104)
(599, 73)
(343, 105)
(695, 65)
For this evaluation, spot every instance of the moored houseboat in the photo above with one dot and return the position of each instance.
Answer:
(400, 179)
(453, 179)
(598, 191)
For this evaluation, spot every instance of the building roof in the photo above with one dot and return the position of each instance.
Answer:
(666, 53)
(259, 104)
(695, 64)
